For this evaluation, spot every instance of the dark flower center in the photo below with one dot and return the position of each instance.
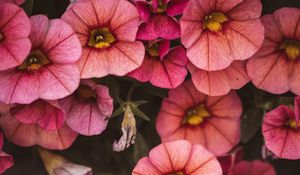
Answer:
(177, 173)
(86, 93)
(34, 61)
(1, 36)
(214, 21)
(161, 7)
(152, 50)
(196, 116)
(101, 38)
(291, 48)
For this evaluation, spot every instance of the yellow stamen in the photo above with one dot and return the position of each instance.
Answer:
(214, 21)
(161, 7)
(85, 92)
(101, 38)
(196, 116)
(34, 61)
(291, 48)
(293, 124)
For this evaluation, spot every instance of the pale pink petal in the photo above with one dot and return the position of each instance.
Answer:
(106, 9)
(207, 6)
(247, 10)
(144, 10)
(237, 74)
(176, 7)
(145, 71)
(190, 32)
(256, 167)
(272, 32)
(226, 5)
(160, 158)
(295, 78)
(173, 123)
(194, 12)
(143, 166)
(196, 135)
(39, 30)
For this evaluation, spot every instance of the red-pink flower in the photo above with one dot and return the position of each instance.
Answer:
(211, 121)
(107, 31)
(158, 18)
(218, 32)
(163, 67)
(178, 158)
(14, 32)
(276, 66)
(220, 82)
(255, 167)
(89, 108)
(17, 2)
(227, 161)
(281, 130)
(6, 161)
(49, 71)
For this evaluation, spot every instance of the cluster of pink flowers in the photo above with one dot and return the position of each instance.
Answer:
(49, 95)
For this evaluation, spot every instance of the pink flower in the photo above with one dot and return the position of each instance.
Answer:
(220, 82)
(211, 121)
(6, 161)
(218, 32)
(17, 2)
(163, 67)
(158, 18)
(228, 160)
(276, 66)
(14, 32)
(281, 130)
(49, 71)
(107, 31)
(89, 108)
(178, 158)
(255, 167)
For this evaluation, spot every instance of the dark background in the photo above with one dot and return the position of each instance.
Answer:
(96, 151)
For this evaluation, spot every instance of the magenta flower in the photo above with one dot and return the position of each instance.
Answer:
(255, 167)
(276, 66)
(281, 130)
(210, 121)
(163, 67)
(220, 82)
(17, 2)
(14, 32)
(218, 32)
(178, 158)
(107, 31)
(89, 108)
(158, 18)
(49, 71)
(6, 161)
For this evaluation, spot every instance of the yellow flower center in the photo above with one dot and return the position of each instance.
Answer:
(161, 7)
(86, 93)
(291, 48)
(34, 61)
(101, 38)
(178, 173)
(196, 116)
(214, 21)
(153, 50)
(293, 124)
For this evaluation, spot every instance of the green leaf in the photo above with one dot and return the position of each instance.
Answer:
(140, 102)
(251, 122)
(118, 111)
(139, 113)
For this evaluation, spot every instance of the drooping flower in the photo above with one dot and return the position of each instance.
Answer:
(276, 66)
(107, 31)
(179, 158)
(211, 121)
(17, 2)
(220, 82)
(218, 32)
(57, 165)
(6, 161)
(158, 18)
(49, 72)
(255, 167)
(14, 32)
(281, 130)
(163, 67)
(89, 108)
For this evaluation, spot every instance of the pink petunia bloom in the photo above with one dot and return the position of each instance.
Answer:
(220, 82)
(6, 161)
(33, 130)
(179, 158)
(163, 67)
(49, 72)
(89, 108)
(158, 18)
(107, 31)
(14, 32)
(17, 2)
(276, 66)
(255, 167)
(210, 121)
(281, 130)
(218, 32)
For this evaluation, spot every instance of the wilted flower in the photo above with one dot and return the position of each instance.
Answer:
(14, 32)
(6, 161)
(255, 167)
(49, 71)
(107, 31)
(89, 108)
(217, 32)
(210, 121)
(276, 66)
(220, 82)
(57, 165)
(179, 158)
(163, 67)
